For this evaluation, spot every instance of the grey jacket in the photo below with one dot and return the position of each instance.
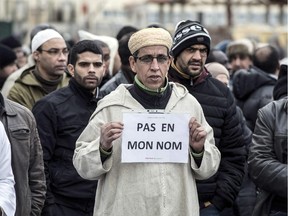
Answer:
(27, 157)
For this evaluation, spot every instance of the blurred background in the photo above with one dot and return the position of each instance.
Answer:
(262, 20)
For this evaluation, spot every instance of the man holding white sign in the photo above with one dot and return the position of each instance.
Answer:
(153, 184)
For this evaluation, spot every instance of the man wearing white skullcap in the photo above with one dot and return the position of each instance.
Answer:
(43, 36)
(50, 54)
(150, 185)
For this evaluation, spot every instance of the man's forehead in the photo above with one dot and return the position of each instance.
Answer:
(55, 43)
(148, 49)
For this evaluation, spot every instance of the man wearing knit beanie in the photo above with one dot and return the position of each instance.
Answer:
(12, 42)
(190, 48)
(149, 186)
(239, 53)
(7, 63)
(50, 53)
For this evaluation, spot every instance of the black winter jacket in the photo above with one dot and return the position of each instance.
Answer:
(220, 111)
(61, 117)
(252, 89)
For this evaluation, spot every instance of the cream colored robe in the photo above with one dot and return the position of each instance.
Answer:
(143, 189)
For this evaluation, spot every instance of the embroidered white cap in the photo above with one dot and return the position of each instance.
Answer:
(43, 36)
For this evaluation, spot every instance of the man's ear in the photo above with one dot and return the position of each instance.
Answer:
(70, 68)
(35, 55)
(132, 64)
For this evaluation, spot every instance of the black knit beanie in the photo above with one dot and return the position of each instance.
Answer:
(7, 56)
(188, 33)
(11, 42)
(280, 88)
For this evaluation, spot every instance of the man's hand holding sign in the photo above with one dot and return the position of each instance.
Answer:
(197, 135)
(154, 137)
(110, 132)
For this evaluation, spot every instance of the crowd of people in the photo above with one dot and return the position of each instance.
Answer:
(68, 108)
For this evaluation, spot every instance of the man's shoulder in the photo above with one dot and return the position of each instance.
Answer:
(14, 109)
(58, 96)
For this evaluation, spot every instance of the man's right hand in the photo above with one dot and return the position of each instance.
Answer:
(110, 132)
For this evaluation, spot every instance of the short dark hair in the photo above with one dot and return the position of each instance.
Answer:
(83, 46)
(266, 58)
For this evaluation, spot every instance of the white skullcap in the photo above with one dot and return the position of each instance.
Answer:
(43, 36)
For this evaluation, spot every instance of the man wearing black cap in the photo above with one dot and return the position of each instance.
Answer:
(7, 63)
(190, 49)
(13, 42)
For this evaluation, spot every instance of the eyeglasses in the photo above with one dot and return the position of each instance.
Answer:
(203, 51)
(148, 59)
(56, 52)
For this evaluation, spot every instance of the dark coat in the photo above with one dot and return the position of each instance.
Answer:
(268, 157)
(61, 117)
(252, 89)
(27, 157)
(220, 112)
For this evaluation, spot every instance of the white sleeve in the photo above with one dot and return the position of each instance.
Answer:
(7, 191)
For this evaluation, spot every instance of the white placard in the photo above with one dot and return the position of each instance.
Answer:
(155, 137)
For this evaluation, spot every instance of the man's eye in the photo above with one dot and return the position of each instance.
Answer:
(98, 64)
(84, 64)
(191, 49)
(147, 59)
(54, 52)
(162, 58)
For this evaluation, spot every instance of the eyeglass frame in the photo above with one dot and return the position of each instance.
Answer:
(151, 58)
(55, 51)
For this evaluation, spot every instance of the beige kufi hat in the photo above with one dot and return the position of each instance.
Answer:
(149, 37)
(216, 68)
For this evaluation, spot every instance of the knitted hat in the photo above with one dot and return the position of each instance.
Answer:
(149, 37)
(216, 68)
(240, 47)
(11, 42)
(188, 33)
(43, 36)
(7, 56)
(280, 89)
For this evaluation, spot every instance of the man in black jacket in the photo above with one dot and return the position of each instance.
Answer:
(61, 117)
(190, 48)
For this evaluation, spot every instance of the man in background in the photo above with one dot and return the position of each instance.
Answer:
(50, 53)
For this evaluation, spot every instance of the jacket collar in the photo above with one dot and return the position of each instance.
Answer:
(6, 108)
(84, 92)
